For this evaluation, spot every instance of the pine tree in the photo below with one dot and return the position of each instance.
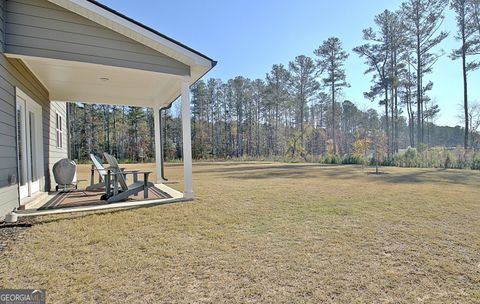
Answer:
(422, 20)
(331, 62)
(466, 30)
(277, 101)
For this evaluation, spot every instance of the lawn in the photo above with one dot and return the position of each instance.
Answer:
(268, 233)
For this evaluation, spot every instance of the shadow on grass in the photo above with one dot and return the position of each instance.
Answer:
(393, 175)
(244, 167)
(268, 175)
(464, 177)
(415, 176)
(230, 163)
(246, 172)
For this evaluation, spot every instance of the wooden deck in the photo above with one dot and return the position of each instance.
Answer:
(80, 198)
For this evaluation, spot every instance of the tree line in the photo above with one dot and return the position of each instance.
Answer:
(126, 132)
(299, 110)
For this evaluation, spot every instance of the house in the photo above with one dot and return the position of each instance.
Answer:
(56, 51)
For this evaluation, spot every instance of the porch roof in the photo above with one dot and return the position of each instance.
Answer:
(84, 78)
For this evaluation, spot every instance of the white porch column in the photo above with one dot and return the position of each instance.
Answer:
(158, 138)
(187, 138)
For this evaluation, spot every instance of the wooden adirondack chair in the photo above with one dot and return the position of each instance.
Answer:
(102, 173)
(116, 177)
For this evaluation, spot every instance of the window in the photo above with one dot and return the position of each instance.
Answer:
(59, 130)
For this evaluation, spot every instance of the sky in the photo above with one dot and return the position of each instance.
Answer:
(247, 37)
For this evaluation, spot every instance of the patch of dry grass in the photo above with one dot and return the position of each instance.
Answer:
(269, 233)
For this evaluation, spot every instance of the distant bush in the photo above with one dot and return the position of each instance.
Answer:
(387, 162)
(476, 162)
(423, 157)
(409, 158)
(438, 157)
(353, 160)
(331, 159)
(422, 148)
(382, 163)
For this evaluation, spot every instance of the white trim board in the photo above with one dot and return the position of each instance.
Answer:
(114, 206)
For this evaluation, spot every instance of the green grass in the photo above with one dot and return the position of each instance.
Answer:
(268, 233)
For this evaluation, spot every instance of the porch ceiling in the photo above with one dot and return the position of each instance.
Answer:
(95, 83)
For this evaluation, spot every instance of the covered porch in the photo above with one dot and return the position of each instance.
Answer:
(86, 52)
(82, 200)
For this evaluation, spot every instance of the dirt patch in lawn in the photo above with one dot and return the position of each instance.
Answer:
(10, 233)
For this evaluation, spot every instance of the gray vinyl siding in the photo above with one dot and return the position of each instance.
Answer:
(8, 151)
(39, 94)
(42, 29)
(2, 25)
(13, 73)
(55, 153)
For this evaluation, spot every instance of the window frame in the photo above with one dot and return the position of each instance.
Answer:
(59, 130)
